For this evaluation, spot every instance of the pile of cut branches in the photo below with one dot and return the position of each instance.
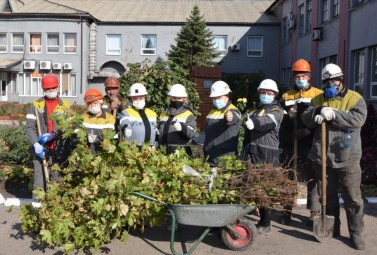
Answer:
(265, 185)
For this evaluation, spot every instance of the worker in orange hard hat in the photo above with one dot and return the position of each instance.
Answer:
(112, 100)
(96, 119)
(296, 138)
(47, 142)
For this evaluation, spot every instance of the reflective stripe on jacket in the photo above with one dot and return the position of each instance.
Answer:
(168, 135)
(351, 112)
(131, 118)
(219, 134)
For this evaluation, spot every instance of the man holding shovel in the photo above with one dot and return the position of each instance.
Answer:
(344, 112)
(296, 139)
(42, 132)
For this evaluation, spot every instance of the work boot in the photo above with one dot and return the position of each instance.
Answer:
(357, 242)
(264, 231)
(286, 218)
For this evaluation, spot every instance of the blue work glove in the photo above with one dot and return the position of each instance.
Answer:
(39, 150)
(46, 137)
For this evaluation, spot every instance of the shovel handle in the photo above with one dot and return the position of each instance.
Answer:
(44, 161)
(323, 139)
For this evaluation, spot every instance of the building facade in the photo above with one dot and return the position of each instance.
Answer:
(330, 31)
(83, 42)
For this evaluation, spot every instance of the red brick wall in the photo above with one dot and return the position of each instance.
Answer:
(200, 75)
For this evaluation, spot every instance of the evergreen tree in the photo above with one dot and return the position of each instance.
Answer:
(194, 43)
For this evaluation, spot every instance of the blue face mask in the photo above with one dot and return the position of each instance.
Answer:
(301, 83)
(266, 99)
(331, 90)
(219, 103)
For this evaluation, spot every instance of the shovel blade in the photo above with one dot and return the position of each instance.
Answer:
(323, 227)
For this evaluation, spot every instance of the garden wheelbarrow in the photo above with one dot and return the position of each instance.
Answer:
(238, 233)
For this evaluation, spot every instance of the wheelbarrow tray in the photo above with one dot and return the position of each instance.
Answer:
(213, 215)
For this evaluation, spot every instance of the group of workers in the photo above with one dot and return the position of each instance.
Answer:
(275, 132)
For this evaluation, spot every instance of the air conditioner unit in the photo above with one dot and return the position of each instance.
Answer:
(291, 23)
(29, 64)
(45, 65)
(68, 66)
(317, 35)
(235, 47)
(57, 66)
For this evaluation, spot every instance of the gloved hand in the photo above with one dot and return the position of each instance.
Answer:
(92, 137)
(39, 150)
(328, 113)
(300, 133)
(177, 126)
(292, 112)
(319, 118)
(228, 116)
(128, 132)
(249, 124)
(46, 137)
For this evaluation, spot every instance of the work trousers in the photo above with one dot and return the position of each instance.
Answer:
(39, 175)
(348, 179)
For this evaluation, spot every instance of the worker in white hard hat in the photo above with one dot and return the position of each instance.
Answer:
(261, 142)
(177, 125)
(138, 123)
(222, 125)
(345, 112)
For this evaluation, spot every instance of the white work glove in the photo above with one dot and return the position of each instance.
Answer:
(319, 118)
(178, 126)
(328, 113)
(39, 150)
(128, 132)
(92, 137)
(249, 124)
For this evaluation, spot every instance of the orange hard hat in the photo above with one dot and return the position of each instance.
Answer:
(301, 65)
(112, 82)
(50, 81)
(92, 95)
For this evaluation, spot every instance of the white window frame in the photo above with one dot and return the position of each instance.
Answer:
(253, 48)
(66, 47)
(148, 51)
(35, 49)
(217, 46)
(25, 84)
(4, 47)
(301, 18)
(325, 11)
(373, 70)
(335, 8)
(111, 48)
(359, 71)
(50, 46)
(18, 45)
(308, 24)
(71, 79)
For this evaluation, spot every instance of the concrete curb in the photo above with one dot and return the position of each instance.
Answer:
(22, 201)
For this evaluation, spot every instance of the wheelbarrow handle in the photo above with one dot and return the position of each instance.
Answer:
(137, 194)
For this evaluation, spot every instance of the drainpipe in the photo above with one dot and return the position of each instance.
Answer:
(92, 50)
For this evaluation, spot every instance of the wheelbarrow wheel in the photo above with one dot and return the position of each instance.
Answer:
(248, 234)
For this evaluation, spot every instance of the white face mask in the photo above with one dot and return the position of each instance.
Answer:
(138, 104)
(51, 94)
(94, 110)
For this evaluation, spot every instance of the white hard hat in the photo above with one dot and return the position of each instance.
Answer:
(219, 88)
(177, 90)
(331, 71)
(137, 89)
(268, 84)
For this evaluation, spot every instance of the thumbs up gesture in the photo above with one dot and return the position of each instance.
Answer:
(228, 116)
